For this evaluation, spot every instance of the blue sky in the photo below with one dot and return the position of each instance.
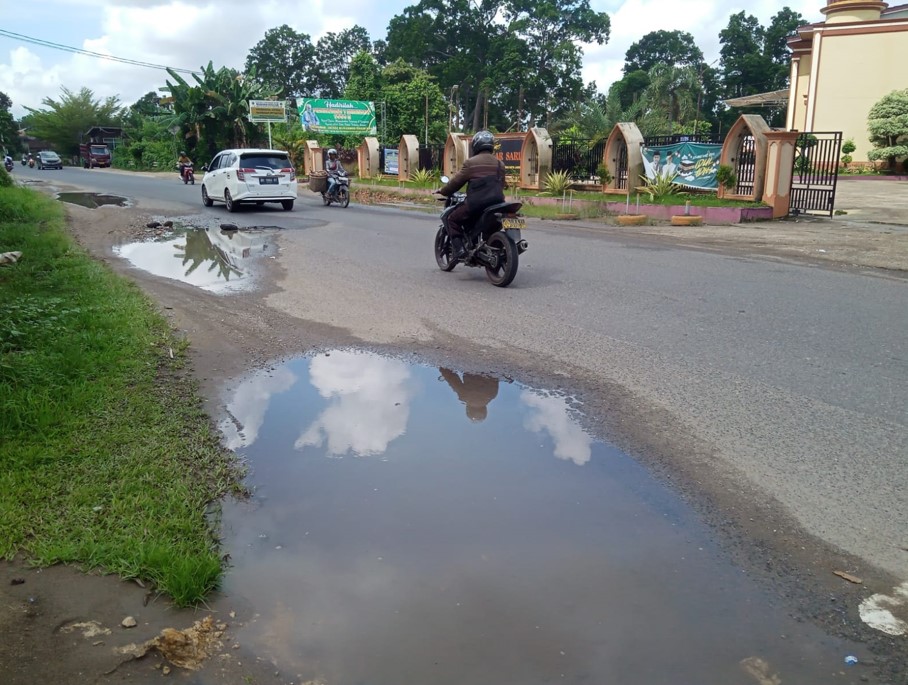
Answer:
(187, 33)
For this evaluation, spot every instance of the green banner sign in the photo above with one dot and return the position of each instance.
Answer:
(689, 164)
(346, 117)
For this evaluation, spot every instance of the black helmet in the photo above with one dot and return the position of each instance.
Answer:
(483, 141)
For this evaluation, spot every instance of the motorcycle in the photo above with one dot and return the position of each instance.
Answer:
(493, 241)
(341, 194)
(31, 162)
(24, 161)
(186, 173)
(8, 165)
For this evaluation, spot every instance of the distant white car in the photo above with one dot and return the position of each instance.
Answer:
(249, 176)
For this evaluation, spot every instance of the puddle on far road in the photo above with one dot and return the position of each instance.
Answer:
(413, 525)
(212, 259)
(93, 200)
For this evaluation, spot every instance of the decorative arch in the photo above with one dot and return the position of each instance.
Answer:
(535, 158)
(744, 150)
(312, 159)
(407, 157)
(623, 157)
(367, 155)
(457, 151)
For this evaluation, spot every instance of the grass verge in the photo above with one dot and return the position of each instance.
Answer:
(107, 460)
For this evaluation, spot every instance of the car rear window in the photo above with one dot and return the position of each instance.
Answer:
(256, 161)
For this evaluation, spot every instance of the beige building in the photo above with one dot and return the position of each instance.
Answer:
(842, 66)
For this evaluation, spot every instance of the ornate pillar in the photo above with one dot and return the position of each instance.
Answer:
(780, 156)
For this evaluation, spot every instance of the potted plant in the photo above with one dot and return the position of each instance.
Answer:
(727, 180)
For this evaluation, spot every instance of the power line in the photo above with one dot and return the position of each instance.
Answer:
(89, 53)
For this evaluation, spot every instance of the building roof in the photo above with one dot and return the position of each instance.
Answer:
(774, 98)
(109, 131)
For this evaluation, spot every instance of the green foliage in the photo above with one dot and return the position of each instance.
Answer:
(727, 177)
(9, 131)
(672, 48)
(888, 127)
(108, 458)
(424, 178)
(848, 147)
(557, 183)
(605, 176)
(670, 99)
(6, 180)
(63, 122)
(659, 187)
(405, 89)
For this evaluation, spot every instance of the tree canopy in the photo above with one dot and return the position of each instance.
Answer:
(887, 124)
(674, 48)
(63, 122)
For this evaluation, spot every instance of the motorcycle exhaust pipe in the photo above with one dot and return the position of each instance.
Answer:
(522, 246)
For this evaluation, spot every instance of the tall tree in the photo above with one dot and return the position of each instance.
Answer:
(333, 54)
(63, 122)
(9, 131)
(670, 100)
(365, 79)
(775, 45)
(408, 93)
(746, 70)
(284, 59)
(674, 48)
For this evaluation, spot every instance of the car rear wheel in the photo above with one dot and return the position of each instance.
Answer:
(287, 205)
(207, 201)
(228, 200)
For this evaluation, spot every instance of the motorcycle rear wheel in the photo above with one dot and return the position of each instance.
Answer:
(325, 199)
(506, 270)
(443, 251)
(343, 197)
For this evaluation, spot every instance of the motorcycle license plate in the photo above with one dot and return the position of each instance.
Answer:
(268, 181)
(513, 222)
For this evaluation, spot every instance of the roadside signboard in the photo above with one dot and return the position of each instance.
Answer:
(693, 165)
(391, 161)
(345, 117)
(273, 111)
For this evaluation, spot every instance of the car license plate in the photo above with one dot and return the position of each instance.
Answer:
(268, 180)
(513, 222)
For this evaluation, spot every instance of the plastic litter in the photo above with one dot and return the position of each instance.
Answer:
(851, 660)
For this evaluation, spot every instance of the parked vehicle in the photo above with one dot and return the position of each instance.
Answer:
(186, 173)
(48, 159)
(493, 241)
(257, 176)
(94, 155)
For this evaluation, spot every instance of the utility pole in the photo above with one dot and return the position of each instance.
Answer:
(425, 141)
(519, 110)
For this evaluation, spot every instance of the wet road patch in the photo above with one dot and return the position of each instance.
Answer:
(93, 200)
(212, 259)
(413, 524)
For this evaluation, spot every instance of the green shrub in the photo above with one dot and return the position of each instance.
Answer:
(423, 178)
(557, 183)
(6, 181)
(605, 176)
(727, 177)
(660, 187)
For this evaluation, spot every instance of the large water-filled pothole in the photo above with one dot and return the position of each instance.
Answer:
(416, 525)
(93, 200)
(212, 259)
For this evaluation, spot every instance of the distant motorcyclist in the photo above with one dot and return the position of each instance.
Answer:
(183, 162)
(334, 168)
(484, 175)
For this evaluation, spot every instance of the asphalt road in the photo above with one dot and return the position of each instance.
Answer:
(785, 382)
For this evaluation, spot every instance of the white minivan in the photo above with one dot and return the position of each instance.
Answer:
(249, 176)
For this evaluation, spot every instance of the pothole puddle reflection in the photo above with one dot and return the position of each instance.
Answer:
(211, 259)
(412, 524)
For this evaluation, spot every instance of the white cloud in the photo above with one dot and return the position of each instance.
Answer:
(246, 411)
(551, 414)
(369, 403)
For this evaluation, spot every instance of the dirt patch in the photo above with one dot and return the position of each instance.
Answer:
(63, 626)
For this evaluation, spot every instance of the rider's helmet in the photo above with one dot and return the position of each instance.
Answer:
(483, 141)
(332, 151)
(182, 153)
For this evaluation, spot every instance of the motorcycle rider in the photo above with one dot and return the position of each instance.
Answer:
(8, 162)
(183, 162)
(334, 168)
(484, 175)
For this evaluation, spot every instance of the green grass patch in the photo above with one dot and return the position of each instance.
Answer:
(107, 459)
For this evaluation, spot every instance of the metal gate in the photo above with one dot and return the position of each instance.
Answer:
(815, 172)
(621, 166)
(745, 165)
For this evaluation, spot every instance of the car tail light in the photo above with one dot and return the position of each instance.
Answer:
(289, 170)
(241, 173)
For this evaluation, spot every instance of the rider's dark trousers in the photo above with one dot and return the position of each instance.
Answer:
(457, 218)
